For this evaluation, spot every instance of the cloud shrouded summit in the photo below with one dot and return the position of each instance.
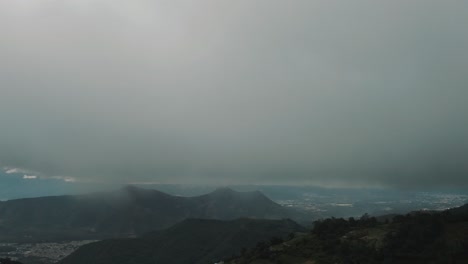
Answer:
(323, 92)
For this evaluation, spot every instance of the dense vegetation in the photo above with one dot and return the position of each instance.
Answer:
(421, 237)
(194, 241)
(8, 261)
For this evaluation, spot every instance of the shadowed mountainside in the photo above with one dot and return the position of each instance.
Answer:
(417, 237)
(129, 211)
(193, 241)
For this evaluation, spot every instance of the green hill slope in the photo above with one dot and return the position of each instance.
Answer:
(419, 237)
(194, 241)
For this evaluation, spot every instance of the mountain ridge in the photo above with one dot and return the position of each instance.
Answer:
(412, 238)
(128, 211)
(196, 241)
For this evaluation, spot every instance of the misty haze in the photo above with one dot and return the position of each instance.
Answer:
(207, 131)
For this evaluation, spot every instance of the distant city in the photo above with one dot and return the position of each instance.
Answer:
(40, 252)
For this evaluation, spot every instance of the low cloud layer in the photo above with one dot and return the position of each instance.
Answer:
(302, 92)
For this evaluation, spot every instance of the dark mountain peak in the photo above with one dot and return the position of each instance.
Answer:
(225, 203)
(129, 210)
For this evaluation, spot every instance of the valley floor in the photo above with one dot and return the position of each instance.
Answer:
(43, 253)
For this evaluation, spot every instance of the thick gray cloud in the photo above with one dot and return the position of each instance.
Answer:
(267, 91)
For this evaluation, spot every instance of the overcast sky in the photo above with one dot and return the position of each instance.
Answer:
(356, 93)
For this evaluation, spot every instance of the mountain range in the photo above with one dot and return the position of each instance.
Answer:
(417, 237)
(130, 211)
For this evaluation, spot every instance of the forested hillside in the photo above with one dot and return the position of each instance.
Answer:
(418, 237)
